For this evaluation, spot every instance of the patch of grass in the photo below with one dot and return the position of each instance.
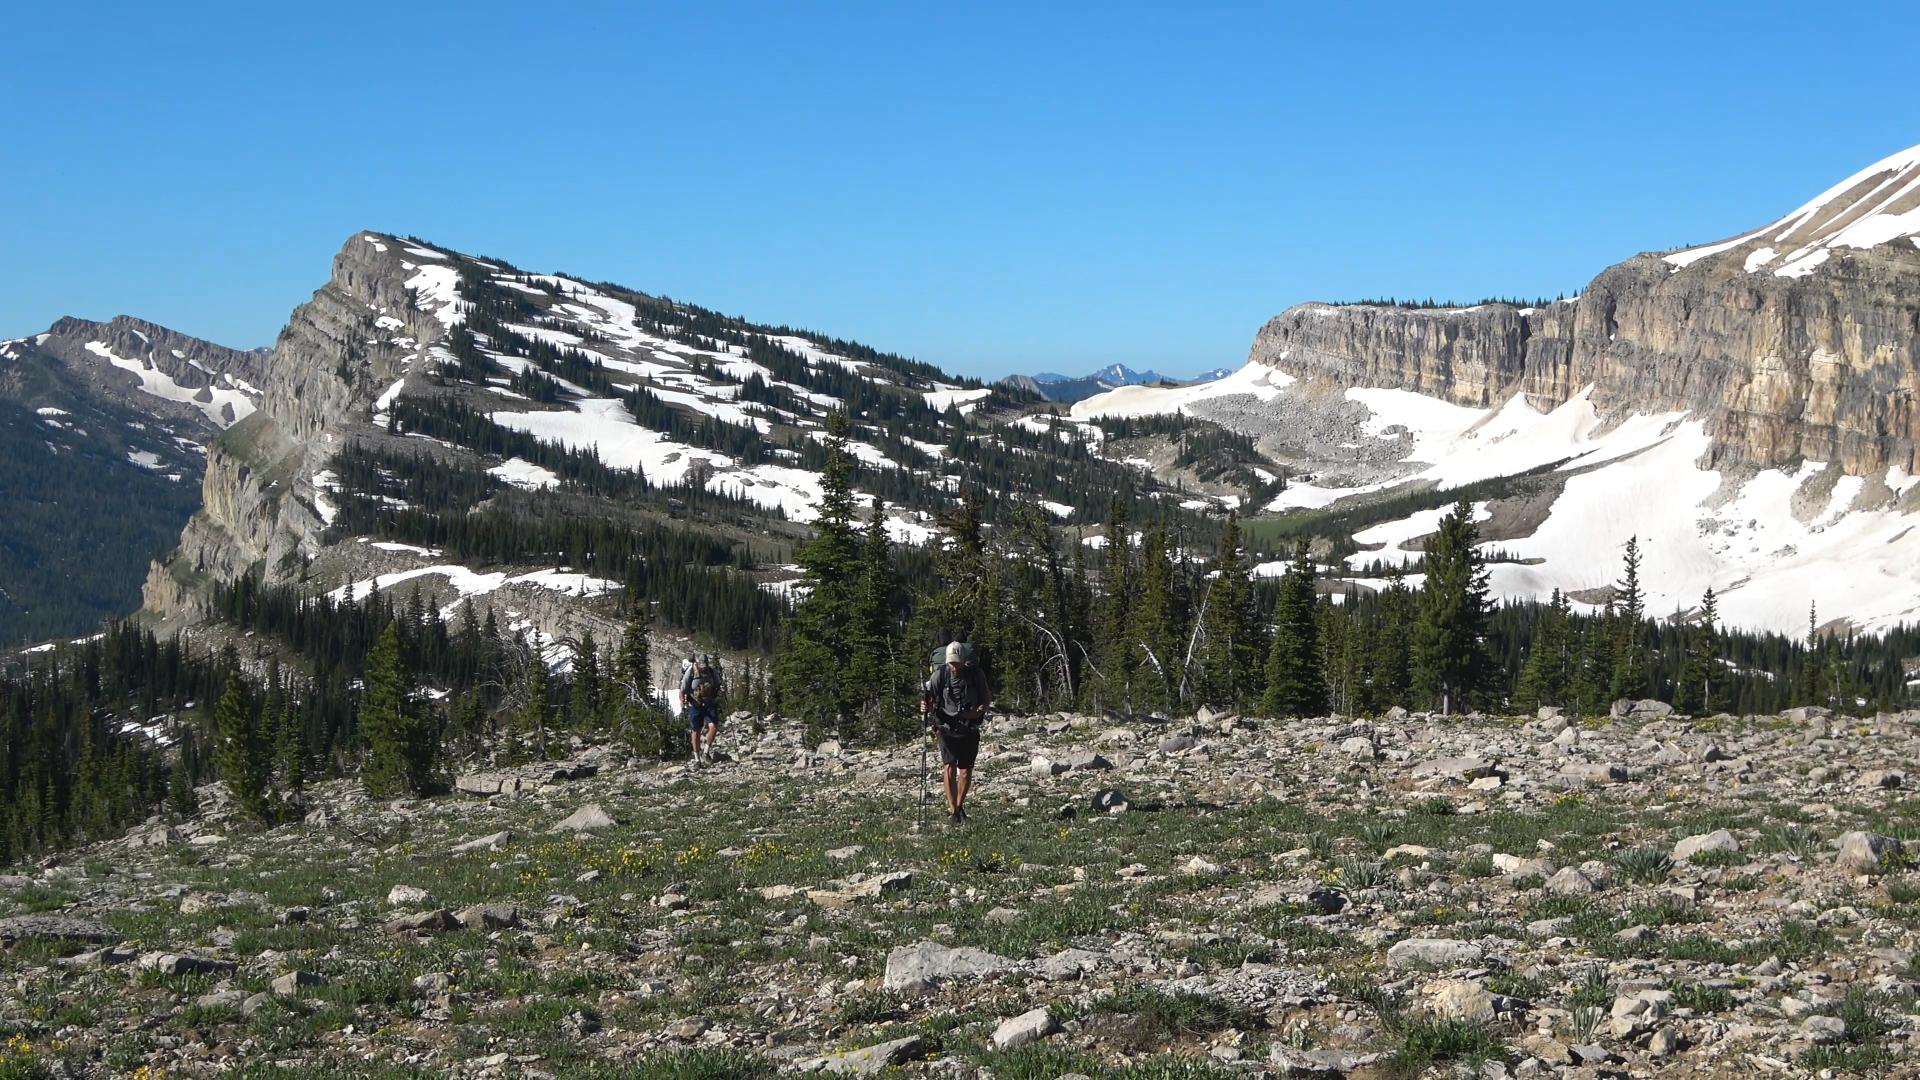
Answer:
(873, 1007)
(1362, 874)
(1170, 1067)
(1846, 1057)
(1700, 997)
(1799, 840)
(1319, 845)
(1430, 1042)
(1643, 864)
(1435, 806)
(1379, 836)
(1036, 1061)
(1903, 892)
(720, 1064)
(1162, 1017)
(1717, 859)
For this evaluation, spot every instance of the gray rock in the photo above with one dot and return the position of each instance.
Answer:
(1590, 1054)
(1433, 952)
(1864, 850)
(1883, 778)
(1069, 964)
(869, 1060)
(1588, 772)
(185, 964)
(1030, 1026)
(434, 982)
(586, 819)
(1462, 999)
(425, 922)
(1569, 881)
(1320, 1062)
(1634, 935)
(1664, 1043)
(55, 927)
(292, 981)
(1717, 840)
(489, 842)
(490, 917)
(1459, 768)
(1173, 744)
(1823, 1030)
(930, 961)
(1086, 761)
(408, 896)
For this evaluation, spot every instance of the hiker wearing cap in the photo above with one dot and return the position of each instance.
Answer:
(956, 702)
(700, 690)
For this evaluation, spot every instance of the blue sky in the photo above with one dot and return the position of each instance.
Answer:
(994, 188)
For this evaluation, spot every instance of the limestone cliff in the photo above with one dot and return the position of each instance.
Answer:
(1813, 354)
(338, 353)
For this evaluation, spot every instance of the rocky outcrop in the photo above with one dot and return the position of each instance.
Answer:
(1818, 360)
(338, 352)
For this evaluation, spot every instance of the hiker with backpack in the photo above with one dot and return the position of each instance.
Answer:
(700, 690)
(956, 701)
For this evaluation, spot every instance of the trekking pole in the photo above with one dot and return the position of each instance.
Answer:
(926, 784)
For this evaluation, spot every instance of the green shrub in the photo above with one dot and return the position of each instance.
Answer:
(1644, 864)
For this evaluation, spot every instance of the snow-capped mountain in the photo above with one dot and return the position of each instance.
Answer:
(103, 433)
(1111, 375)
(1744, 408)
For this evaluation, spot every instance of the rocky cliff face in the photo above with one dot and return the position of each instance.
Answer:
(341, 350)
(1813, 354)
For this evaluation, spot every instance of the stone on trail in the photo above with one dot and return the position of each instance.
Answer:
(1433, 952)
(1717, 840)
(1864, 850)
(1515, 866)
(1030, 1026)
(1173, 744)
(930, 962)
(489, 842)
(1325, 1061)
(1069, 964)
(1086, 761)
(425, 922)
(490, 917)
(185, 964)
(1823, 1030)
(586, 819)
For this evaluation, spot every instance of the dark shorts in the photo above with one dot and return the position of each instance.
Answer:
(959, 750)
(699, 716)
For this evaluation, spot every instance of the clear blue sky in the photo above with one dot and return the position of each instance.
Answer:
(994, 188)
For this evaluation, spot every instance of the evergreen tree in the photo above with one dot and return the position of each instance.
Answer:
(1234, 648)
(182, 799)
(1296, 683)
(242, 756)
(530, 726)
(401, 743)
(1450, 659)
(1543, 679)
(1629, 678)
(874, 674)
(1696, 690)
(1392, 661)
(1114, 644)
(583, 708)
(633, 666)
(1155, 636)
(816, 661)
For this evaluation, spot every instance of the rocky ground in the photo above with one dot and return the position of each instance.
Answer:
(1139, 899)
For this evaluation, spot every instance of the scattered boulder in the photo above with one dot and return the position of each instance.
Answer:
(171, 964)
(408, 896)
(1086, 761)
(1108, 801)
(425, 922)
(1173, 744)
(1433, 952)
(1462, 999)
(1459, 768)
(1069, 964)
(868, 1060)
(1864, 850)
(290, 983)
(1030, 1026)
(55, 928)
(1717, 840)
(489, 842)
(1823, 1030)
(931, 962)
(490, 917)
(152, 836)
(1883, 778)
(1515, 866)
(586, 819)
(1644, 709)
(1592, 772)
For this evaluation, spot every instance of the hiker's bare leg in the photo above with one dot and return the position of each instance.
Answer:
(948, 778)
(712, 731)
(962, 779)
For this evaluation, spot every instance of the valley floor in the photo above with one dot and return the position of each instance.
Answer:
(1280, 899)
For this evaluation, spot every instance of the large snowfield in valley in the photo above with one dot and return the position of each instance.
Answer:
(1638, 476)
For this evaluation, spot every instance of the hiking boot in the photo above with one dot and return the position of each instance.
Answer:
(962, 812)
(956, 818)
